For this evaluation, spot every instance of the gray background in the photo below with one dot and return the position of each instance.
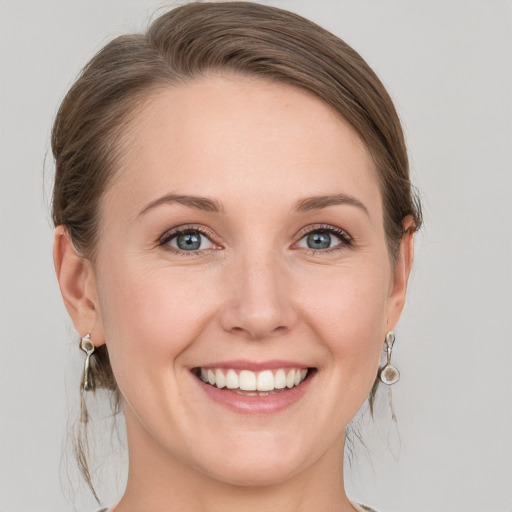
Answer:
(448, 65)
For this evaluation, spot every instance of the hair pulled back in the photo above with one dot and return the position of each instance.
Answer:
(187, 43)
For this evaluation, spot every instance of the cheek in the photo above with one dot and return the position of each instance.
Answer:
(349, 309)
(149, 316)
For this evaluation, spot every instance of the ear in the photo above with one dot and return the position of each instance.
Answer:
(77, 286)
(401, 272)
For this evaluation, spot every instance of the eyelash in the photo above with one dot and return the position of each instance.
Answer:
(169, 235)
(346, 241)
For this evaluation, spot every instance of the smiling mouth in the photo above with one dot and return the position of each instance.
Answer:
(249, 383)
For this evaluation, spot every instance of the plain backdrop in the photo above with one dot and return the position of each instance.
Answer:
(448, 66)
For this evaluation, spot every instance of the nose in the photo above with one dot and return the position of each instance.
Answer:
(258, 298)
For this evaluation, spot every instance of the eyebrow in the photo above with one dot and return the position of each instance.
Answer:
(213, 206)
(319, 202)
(196, 202)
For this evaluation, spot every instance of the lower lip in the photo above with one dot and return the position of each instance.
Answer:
(256, 404)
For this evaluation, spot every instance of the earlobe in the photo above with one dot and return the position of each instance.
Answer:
(402, 270)
(75, 275)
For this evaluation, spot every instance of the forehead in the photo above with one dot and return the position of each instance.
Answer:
(222, 135)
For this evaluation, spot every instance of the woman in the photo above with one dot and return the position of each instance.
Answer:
(234, 235)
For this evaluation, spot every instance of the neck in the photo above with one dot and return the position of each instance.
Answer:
(158, 482)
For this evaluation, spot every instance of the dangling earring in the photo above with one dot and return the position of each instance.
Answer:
(389, 374)
(87, 346)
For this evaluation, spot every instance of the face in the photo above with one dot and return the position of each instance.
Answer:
(242, 244)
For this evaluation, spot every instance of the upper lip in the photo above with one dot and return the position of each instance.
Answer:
(243, 364)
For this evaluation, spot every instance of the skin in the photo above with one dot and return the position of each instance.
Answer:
(254, 291)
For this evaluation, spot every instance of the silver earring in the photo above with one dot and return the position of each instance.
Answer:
(87, 346)
(389, 374)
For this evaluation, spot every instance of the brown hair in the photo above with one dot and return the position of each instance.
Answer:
(186, 43)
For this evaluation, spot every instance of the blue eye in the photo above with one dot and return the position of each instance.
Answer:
(323, 239)
(318, 240)
(189, 240)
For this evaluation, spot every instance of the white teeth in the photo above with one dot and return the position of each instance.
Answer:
(231, 379)
(290, 379)
(220, 380)
(265, 381)
(280, 379)
(247, 381)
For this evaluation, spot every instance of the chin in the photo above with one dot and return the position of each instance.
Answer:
(254, 466)
(265, 473)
